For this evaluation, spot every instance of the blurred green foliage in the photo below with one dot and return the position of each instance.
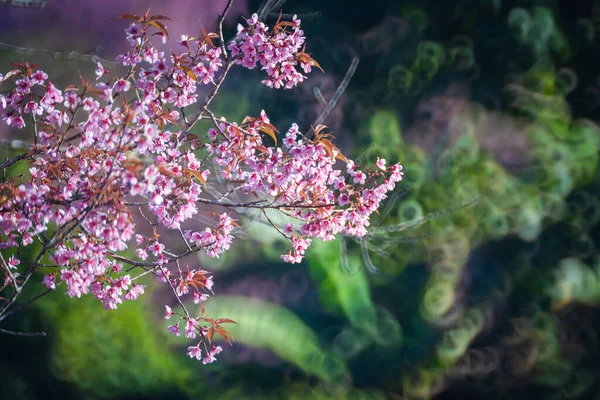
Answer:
(107, 354)
(487, 268)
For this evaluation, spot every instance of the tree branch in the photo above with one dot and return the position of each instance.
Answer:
(25, 334)
(220, 25)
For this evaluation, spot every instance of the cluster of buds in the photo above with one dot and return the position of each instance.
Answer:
(117, 150)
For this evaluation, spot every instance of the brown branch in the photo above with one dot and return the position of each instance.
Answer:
(187, 314)
(144, 264)
(22, 306)
(210, 97)
(256, 204)
(15, 159)
(220, 24)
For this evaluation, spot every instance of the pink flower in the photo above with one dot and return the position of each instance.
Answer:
(135, 292)
(339, 183)
(38, 77)
(168, 312)
(133, 30)
(122, 85)
(183, 41)
(13, 262)
(343, 199)
(195, 352)
(18, 122)
(100, 71)
(288, 228)
(199, 298)
(49, 281)
(208, 359)
(174, 330)
(157, 248)
(190, 328)
(210, 356)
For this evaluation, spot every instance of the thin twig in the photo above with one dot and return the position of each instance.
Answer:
(55, 54)
(337, 95)
(220, 24)
(26, 3)
(303, 17)
(319, 96)
(22, 306)
(25, 334)
(256, 204)
(210, 97)
(264, 9)
(187, 314)
(185, 240)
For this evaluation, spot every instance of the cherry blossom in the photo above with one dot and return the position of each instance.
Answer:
(109, 154)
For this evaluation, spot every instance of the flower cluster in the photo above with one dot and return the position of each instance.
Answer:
(197, 282)
(301, 177)
(277, 51)
(112, 154)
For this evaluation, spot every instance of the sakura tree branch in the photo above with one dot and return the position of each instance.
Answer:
(82, 189)
(257, 204)
(16, 159)
(187, 314)
(23, 305)
(220, 25)
(210, 97)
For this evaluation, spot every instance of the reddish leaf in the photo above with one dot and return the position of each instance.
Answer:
(328, 149)
(167, 117)
(225, 321)
(225, 334)
(306, 58)
(269, 130)
(193, 140)
(248, 119)
(188, 71)
(129, 16)
(318, 129)
(207, 36)
(197, 175)
(160, 27)
(159, 17)
(331, 146)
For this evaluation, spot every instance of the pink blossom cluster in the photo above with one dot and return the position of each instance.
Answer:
(277, 51)
(108, 153)
(302, 178)
(197, 282)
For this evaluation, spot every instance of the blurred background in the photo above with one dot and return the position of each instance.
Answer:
(487, 280)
